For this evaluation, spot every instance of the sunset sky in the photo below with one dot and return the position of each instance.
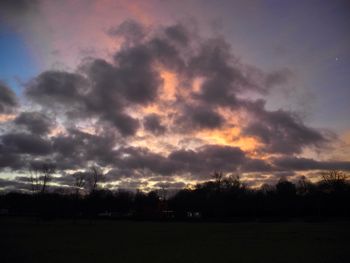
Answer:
(164, 93)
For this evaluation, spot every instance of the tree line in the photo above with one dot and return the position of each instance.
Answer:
(224, 197)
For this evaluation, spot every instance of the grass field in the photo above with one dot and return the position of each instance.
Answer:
(111, 241)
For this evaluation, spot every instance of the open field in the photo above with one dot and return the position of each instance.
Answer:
(111, 241)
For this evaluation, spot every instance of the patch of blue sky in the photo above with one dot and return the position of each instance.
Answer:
(16, 63)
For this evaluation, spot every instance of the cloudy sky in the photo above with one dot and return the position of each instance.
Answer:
(167, 92)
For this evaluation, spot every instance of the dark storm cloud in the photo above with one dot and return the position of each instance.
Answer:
(19, 149)
(225, 76)
(300, 164)
(25, 143)
(198, 117)
(125, 124)
(217, 92)
(215, 62)
(205, 118)
(112, 94)
(108, 95)
(13, 185)
(152, 123)
(56, 88)
(281, 131)
(204, 160)
(256, 165)
(17, 5)
(136, 77)
(179, 33)
(76, 95)
(132, 31)
(198, 163)
(167, 54)
(214, 58)
(137, 158)
(15, 8)
(208, 158)
(116, 174)
(35, 122)
(77, 148)
(8, 100)
(226, 79)
(9, 160)
(104, 90)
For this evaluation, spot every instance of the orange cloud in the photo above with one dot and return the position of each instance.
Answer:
(169, 86)
(229, 137)
(6, 117)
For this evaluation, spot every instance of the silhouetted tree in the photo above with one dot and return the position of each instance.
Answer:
(47, 171)
(79, 181)
(223, 198)
(40, 175)
(34, 180)
(304, 186)
(94, 178)
(232, 181)
(218, 177)
(334, 181)
(284, 188)
(267, 189)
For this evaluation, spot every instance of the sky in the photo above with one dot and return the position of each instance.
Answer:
(162, 92)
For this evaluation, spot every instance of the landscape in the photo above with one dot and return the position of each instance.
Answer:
(174, 131)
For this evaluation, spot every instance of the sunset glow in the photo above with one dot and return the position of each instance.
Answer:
(172, 90)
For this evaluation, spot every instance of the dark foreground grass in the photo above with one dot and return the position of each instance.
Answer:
(112, 241)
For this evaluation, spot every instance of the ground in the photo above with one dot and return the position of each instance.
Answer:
(114, 241)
